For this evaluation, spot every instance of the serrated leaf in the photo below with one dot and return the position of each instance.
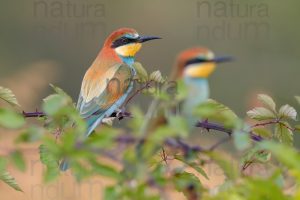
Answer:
(261, 113)
(8, 96)
(9, 180)
(11, 119)
(51, 163)
(283, 134)
(288, 112)
(18, 160)
(256, 155)
(157, 77)
(215, 111)
(142, 74)
(267, 101)
(265, 133)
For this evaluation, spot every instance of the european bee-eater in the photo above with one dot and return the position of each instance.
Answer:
(109, 80)
(194, 66)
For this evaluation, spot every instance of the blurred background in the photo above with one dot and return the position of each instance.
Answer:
(55, 41)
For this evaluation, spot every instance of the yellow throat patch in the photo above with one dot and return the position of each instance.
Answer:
(199, 70)
(128, 50)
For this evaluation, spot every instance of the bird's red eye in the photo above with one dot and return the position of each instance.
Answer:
(124, 40)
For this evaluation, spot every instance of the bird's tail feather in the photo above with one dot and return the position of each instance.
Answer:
(92, 123)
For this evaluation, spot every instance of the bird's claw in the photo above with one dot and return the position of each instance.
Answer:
(121, 113)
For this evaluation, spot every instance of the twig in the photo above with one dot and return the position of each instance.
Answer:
(36, 114)
(33, 114)
(277, 121)
(213, 126)
(146, 86)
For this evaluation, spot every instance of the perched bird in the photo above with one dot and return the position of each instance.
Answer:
(193, 66)
(109, 80)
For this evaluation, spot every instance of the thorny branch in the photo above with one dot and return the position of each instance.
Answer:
(175, 143)
(138, 91)
(277, 121)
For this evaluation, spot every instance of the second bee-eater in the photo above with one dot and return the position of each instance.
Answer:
(194, 66)
(109, 80)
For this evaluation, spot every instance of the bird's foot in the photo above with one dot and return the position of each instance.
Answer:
(122, 113)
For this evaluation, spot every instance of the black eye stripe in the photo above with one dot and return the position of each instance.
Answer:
(122, 41)
(196, 60)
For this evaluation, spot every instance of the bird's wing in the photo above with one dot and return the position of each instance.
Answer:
(100, 92)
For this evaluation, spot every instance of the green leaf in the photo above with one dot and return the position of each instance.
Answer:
(142, 74)
(9, 180)
(288, 112)
(51, 163)
(261, 113)
(188, 184)
(179, 125)
(256, 155)
(8, 96)
(53, 103)
(111, 193)
(104, 138)
(285, 154)
(157, 77)
(267, 101)
(105, 170)
(18, 160)
(11, 119)
(242, 140)
(182, 91)
(215, 111)
(263, 132)
(193, 165)
(283, 134)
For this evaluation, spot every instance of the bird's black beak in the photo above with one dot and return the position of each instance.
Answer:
(222, 59)
(215, 60)
(142, 39)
